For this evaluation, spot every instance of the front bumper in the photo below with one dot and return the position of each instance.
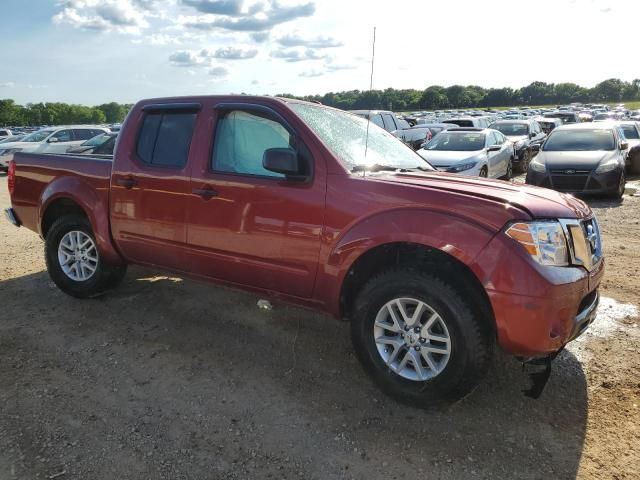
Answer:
(537, 309)
(580, 181)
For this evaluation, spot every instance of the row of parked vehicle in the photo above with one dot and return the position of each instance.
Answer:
(590, 156)
(76, 139)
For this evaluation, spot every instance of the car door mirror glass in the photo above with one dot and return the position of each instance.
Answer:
(624, 146)
(53, 140)
(284, 161)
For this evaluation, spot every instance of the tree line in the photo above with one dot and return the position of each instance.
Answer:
(33, 114)
(432, 98)
(471, 96)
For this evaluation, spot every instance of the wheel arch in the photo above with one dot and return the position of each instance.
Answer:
(414, 256)
(73, 196)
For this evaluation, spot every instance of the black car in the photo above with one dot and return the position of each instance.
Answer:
(583, 158)
(99, 145)
(565, 116)
(417, 136)
(526, 135)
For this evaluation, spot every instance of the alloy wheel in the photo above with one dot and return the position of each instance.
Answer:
(78, 256)
(412, 339)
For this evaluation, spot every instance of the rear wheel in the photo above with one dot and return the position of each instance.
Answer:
(73, 259)
(418, 339)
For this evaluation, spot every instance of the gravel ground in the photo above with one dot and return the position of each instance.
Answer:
(170, 378)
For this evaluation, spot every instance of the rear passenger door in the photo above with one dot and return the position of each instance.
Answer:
(150, 185)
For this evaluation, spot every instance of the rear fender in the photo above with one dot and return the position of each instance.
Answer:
(93, 201)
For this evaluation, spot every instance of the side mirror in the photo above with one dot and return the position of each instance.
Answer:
(284, 161)
(53, 140)
(624, 146)
(535, 148)
(532, 135)
(494, 148)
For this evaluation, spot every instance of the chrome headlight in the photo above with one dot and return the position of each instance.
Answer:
(462, 167)
(536, 166)
(608, 166)
(545, 241)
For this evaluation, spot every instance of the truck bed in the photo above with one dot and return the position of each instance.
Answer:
(36, 174)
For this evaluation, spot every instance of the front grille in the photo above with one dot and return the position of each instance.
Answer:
(569, 182)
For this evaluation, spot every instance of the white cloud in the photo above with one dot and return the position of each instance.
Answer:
(218, 72)
(297, 55)
(103, 15)
(297, 40)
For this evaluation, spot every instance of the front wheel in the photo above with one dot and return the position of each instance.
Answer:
(484, 172)
(619, 191)
(509, 174)
(526, 160)
(418, 339)
(73, 259)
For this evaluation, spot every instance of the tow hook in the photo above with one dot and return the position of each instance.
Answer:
(539, 371)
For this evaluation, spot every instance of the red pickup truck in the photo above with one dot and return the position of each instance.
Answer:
(310, 205)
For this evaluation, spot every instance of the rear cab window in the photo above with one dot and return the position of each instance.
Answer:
(165, 138)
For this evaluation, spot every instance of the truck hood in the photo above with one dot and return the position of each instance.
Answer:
(537, 202)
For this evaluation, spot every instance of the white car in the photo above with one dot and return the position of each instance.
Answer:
(4, 133)
(49, 140)
(470, 151)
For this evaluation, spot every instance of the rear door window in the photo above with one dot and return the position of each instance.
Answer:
(82, 134)
(165, 138)
(389, 124)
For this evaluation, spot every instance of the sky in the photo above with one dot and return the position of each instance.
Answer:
(95, 51)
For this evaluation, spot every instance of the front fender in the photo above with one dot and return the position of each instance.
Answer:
(460, 237)
(94, 201)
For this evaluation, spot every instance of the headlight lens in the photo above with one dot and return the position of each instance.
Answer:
(607, 166)
(462, 167)
(544, 241)
(537, 166)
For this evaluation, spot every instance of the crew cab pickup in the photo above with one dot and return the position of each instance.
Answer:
(311, 205)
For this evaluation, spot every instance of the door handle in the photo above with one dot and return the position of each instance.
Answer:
(127, 182)
(205, 193)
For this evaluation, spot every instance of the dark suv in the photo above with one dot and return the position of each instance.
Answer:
(526, 135)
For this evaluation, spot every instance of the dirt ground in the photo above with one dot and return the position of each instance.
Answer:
(171, 378)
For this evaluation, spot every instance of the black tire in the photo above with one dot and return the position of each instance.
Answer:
(509, 173)
(484, 172)
(523, 167)
(618, 193)
(471, 338)
(104, 277)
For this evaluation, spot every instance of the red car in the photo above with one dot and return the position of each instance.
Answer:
(296, 201)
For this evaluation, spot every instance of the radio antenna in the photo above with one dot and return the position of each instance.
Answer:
(366, 141)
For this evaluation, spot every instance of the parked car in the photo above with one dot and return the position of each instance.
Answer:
(565, 116)
(383, 119)
(49, 140)
(99, 145)
(473, 122)
(436, 128)
(582, 158)
(548, 124)
(470, 151)
(631, 132)
(4, 132)
(417, 136)
(296, 201)
(526, 135)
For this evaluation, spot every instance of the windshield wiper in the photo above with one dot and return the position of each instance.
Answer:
(385, 168)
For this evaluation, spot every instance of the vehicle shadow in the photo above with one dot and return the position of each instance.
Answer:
(196, 376)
